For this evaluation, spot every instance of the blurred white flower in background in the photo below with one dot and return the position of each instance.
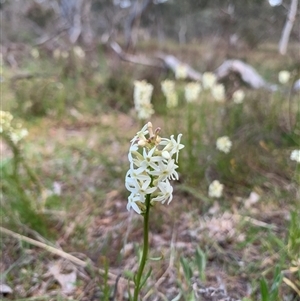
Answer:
(151, 168)
(284, 76)
(218, 92)
(142, 99)
(78, 51)
(145, 111)
(295, 155)
(35, 53)
(18, 135)
(5, 120)
(168, 89)
(172, 100)
(181, 71)
(56, 53)
(64, 54)
(238, 96)
(224, 144)
(215, 189)
(192, 91)
(14, 132)
(208, 80)
(167, 86)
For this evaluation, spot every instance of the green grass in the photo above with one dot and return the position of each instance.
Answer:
(80, 123)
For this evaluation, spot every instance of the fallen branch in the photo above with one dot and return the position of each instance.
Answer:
(160, 61)
(133, 58)
(247, 73)
(171, 62)
(43, 40)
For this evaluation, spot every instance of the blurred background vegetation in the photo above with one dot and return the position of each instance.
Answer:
(64, 183)
(249, 22)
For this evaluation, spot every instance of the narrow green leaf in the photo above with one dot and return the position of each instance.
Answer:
(200, 258)
(156, 258)
(186, 269)
(264, 290)
(146, 277)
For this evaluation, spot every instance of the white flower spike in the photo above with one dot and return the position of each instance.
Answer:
(208, 80)
(142, 99)
(192, 91)
(218, 92)
(151, 168)
(168, 89)
(238, 96)
(12, 131)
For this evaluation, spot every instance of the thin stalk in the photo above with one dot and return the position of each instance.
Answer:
(190, 142)
(145, 250)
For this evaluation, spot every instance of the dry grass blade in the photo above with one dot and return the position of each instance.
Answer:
(255, 222)
(55, 251)
(291, 285)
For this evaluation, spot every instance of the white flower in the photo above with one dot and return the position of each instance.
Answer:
(140, 135)
(18, 135)
(142, 99)
(5, 118)
(151, 167)
(139, 187)
(238, 96)
(149, 159)
(208, 80)
(145, 111)
(284, 76)
(215, 189)
(165, 192)
(192, 91)
(172, 100)
(56, 53)
(142, 92)
(224, 144)
(14, 132)
(167, 87)
(181, 71)
(78, 51)
(64, 54)
(218, 92)
(137, 174)
(133, 203)
(295, 155)
(172, 145)
(166, 171)
(35, 53)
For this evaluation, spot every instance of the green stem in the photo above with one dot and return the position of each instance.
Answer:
(145, 250)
